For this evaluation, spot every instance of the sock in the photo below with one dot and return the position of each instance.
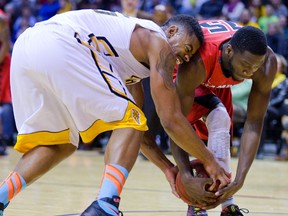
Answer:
(229, 201)
(113, 181)
(10, 187)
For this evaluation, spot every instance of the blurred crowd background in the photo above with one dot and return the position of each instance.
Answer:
(268, 15)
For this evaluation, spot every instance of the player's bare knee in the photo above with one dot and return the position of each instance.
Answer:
(66, 149)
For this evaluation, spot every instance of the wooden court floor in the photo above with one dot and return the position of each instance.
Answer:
(71, 187)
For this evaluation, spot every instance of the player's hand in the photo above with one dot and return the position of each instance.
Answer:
(225, 193)
(195, 188)
(218, 174)
(171, 174)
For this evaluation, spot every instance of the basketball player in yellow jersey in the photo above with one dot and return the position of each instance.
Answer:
(68, 77)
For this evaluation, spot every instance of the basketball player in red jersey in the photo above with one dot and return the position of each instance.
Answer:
(229, 55)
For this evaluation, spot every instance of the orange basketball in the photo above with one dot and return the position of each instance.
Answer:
(197, 170)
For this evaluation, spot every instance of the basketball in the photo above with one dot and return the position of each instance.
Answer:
(197, 170)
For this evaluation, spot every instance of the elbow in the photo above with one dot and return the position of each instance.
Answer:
(166, 124)
(170, 121)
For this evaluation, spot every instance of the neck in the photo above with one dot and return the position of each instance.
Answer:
(132, 13)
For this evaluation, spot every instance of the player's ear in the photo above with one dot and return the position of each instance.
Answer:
(172, 30)
(229, 50)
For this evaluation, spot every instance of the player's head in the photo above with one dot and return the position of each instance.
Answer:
(246, 52)
(184, 35)
(129, 7)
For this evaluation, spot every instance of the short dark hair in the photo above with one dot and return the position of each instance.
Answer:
(190, 24)
(249, 39)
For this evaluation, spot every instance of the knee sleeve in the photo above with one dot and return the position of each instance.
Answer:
(218, 125)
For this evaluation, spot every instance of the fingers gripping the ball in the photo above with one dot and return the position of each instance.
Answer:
(197, 170)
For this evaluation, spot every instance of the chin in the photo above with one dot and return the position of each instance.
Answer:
(237, 78)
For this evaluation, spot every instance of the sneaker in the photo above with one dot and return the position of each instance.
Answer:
(193, 211)
(233, 210)
(95, 210)
(1, 209)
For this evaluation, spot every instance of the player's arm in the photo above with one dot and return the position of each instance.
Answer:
(137, 92)
(168, 107)
(257, 106)
(152, 151)
(188, 78)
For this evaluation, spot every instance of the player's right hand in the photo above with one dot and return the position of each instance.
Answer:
(195, 188)
(218, 174)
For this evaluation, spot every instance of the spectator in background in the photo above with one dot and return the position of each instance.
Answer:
(233, 9)
(245, 19)
(283, 24)
(131, 8)
(161, 14)
(211, 9)
(191, 7)
(95, 4)
(280, 9)
(149, 6)
(23, 26)
(7, 118)
(25, 20)
(48, 9)
(284, 121)
(66, 5)
(275, 36)
(257, 9)
(10, 13)
(264, 21)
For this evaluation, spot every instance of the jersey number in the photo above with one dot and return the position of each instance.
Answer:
(220, 26)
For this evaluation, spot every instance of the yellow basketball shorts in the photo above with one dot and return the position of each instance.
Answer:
(61, 89)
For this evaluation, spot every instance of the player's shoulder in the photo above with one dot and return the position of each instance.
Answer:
(270, 64)
(144, 32)
(270, 54)
(149, 38)
(265, 76)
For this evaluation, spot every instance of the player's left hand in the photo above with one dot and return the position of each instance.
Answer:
(217, 173)
(225, 193)
(171, 174)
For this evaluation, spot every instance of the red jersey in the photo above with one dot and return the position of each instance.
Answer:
(216, 33)
(5, 94)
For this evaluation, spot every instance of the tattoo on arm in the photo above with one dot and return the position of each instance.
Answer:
(165, 66)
